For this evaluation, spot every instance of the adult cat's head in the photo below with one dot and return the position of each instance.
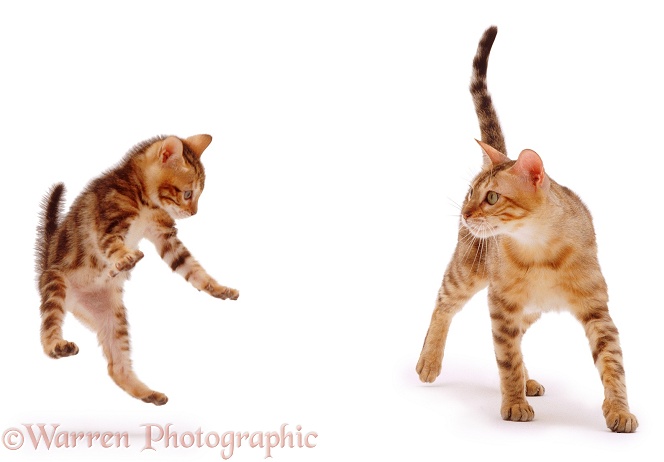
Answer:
(175, 174)
(507, 197)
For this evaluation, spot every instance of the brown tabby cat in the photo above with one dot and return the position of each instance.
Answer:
(84, 259)
(532, 242)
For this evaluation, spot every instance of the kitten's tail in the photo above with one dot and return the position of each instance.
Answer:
(49, 220)
(492, 134)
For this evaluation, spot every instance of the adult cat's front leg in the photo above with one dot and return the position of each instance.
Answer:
(464, 277)
(507, 328)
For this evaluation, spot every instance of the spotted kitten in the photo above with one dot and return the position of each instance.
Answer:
(532, 242)
(84, 258)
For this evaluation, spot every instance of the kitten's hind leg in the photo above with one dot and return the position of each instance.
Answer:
(53, 291)
(113, 335)
(464, 277)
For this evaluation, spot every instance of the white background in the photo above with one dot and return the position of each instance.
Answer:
(343, 132)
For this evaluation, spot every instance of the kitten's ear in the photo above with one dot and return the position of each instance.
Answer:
(170, 150)
(198, 143)
(530, 167)
(491, 155)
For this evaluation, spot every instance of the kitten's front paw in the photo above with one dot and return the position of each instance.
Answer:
(156, 398)
(126, 262)
(62, 349)
(429, 366)
(619, 419)
(517, 412)
(219, 291)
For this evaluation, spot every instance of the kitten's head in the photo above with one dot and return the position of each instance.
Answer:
(507, 196)
(176, 174)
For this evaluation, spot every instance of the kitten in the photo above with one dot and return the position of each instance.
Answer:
(84, 259)
(532, 242)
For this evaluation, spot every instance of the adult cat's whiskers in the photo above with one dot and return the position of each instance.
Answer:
(470, 240)
(479, 244)
(483, 248)
(454, 203)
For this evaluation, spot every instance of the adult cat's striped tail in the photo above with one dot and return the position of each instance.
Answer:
(48, 223)
(492, 134)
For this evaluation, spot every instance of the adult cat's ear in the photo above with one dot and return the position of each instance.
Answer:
(170, 151)
(491, 155)
(198, 143)
(530, 167)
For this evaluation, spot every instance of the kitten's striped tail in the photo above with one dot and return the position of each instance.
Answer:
(492, 134)
(49, 220)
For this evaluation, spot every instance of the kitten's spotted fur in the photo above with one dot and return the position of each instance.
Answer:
(84, 258)
(532, 242)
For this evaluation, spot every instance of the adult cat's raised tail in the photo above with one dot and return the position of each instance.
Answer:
(492, 134)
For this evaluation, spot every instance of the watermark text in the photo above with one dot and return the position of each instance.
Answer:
(158, 437)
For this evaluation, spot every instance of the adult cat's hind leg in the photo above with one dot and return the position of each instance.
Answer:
(464, 277)
(605, 346)
(53, 291)
(107, 313)
(533, 387)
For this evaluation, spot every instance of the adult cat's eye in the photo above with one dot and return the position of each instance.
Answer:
(187, 195)
(492, 197)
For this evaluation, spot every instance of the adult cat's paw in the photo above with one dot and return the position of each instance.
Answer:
(429, 366)
(534, 388)
(219, 291)
(156, 398)
(126, 262)
(517, 412)
(618, 418)
(61, 349)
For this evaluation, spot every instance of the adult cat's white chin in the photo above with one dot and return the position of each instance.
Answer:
(481, 229)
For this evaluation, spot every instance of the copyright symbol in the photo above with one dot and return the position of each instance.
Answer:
(12, 438)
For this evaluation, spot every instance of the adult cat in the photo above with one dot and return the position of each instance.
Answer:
(532, 242)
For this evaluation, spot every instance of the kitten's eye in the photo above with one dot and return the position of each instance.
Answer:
(492, 197)
(187, 195)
